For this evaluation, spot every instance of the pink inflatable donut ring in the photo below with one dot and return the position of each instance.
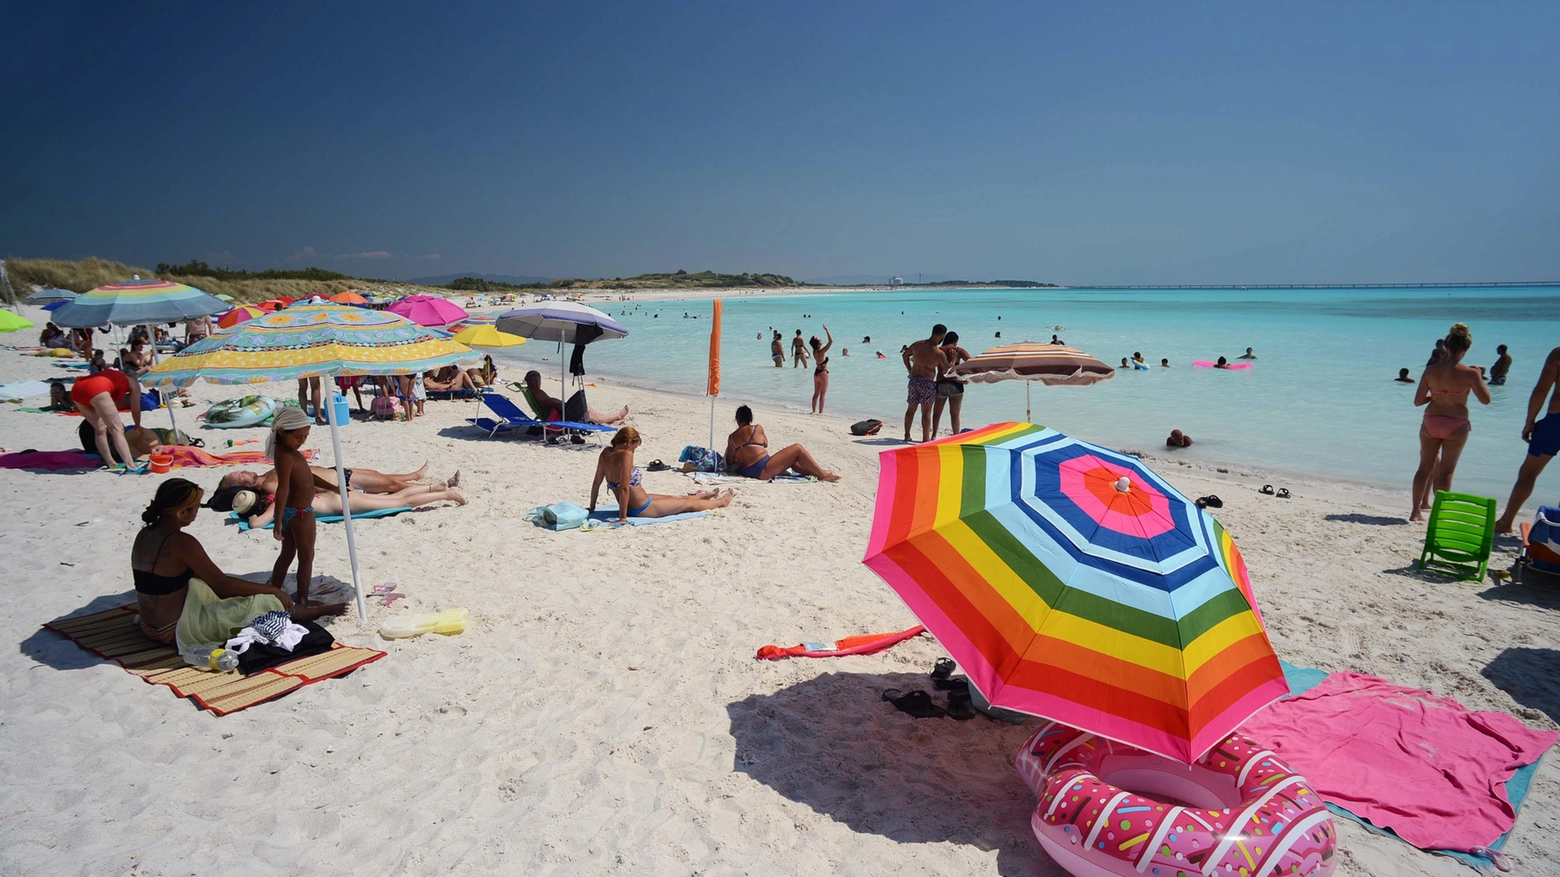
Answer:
(1237, 811)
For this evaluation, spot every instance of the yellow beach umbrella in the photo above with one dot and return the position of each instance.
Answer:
(487, 336)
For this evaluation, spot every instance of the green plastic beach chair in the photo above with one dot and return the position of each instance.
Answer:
(1460, 535)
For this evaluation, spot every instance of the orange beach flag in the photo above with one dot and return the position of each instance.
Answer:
(714, 385)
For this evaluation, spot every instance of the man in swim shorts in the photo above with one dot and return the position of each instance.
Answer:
(1542, 436)
(922, 359)
(1501, 366)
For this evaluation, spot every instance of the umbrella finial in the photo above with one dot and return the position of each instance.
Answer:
(1124, 484)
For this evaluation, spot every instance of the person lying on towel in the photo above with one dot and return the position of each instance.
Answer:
(166, 562)
(257, 507)
(359, 479)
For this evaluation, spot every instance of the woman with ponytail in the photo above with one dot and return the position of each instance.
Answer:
(1443, 390)
(166, 562)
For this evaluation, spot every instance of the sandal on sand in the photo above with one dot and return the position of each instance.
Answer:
(658, 466)
(917, 703)
(952, 686)
(959, 706)
(1267, 489)
(1211, 501)
(1283, 493)
(943, 668)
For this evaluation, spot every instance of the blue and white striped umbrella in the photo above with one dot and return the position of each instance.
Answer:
(44, 296)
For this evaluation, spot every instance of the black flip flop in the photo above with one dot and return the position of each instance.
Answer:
(658, 466)
(1211, 501)
(956, 684)
(1283, 493)
(1267, 489)
(943, 668)
(959, 706)
(917, 703)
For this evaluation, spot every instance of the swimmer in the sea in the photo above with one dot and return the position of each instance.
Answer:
(1403, 377)
(1247, 355)
(1178, 439)
(1164, 363)
(1222, 363)
(1125, 366)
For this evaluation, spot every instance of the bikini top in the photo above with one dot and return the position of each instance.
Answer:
(750, 442)
(148, 582)
(1462, 393)
(633, 480)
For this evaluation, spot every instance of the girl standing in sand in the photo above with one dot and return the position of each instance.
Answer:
(1443, 390)
(294, 499)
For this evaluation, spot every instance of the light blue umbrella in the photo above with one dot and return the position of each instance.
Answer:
(52, 294)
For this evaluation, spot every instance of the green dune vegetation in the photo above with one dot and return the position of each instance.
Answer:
(26, 275)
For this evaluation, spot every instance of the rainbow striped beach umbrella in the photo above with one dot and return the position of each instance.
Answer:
(1071, 582)
(137, 301)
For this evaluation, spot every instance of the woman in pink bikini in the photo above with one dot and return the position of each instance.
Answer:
(1444, 388)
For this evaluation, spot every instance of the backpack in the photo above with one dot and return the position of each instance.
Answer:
(866, 427)
(387, 408)
(703, 459)
(558, 516)
(1544, 539)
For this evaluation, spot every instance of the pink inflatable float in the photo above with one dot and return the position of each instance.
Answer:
(1203, 363)
(1237, 811)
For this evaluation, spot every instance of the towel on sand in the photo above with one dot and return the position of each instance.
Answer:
(717, 478)
(1424, 766)
(243, 522)
(605, 516)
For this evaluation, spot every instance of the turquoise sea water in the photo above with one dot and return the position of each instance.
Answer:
(1320, 400)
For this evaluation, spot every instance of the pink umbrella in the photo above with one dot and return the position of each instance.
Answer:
(429, 310)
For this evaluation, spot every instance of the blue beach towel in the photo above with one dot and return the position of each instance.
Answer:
(243, 524)
(605, 517)
(1303, 679)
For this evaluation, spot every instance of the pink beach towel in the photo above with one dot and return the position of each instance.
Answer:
(51, 460)
(1424, 766)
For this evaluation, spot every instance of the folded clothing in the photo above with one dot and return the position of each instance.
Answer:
(1423, 766)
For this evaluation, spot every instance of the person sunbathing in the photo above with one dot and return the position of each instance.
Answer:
(616, 468)
(259, 509)
(547, 406)
(449, 379)
(164, 558)
(359, 479)
(747, 453)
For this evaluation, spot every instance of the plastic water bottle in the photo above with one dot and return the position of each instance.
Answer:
(210, 656)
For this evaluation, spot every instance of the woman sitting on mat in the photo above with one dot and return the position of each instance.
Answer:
(616, 467)
(258, 509)
(98, 397)
(747, 453)
(164, 559)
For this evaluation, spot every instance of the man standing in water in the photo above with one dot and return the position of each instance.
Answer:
(798, 350)
(777, 351)
(922, 359)
(1542, 436)
(1501, 366)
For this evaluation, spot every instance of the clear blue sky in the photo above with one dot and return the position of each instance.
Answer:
(1082, 142)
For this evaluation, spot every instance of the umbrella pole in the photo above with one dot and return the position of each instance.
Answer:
(171, 422)
(346, 513)
(712, 423)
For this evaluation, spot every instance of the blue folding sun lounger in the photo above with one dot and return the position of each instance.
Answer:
(511, 417)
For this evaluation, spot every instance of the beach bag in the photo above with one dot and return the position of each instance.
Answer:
(558, 516)
(576, 409)
(703, 459)
(866, 427)
(387, 408)
(1544, 539)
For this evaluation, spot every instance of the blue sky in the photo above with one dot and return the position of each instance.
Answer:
(1074, 143)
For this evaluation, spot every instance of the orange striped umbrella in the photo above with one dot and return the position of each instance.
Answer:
(240, 314)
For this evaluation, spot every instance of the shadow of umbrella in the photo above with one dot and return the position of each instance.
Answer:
(1530, 676)
(879, 771)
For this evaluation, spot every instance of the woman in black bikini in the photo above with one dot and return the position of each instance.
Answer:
(747, 453)
(820, 370)
(950, 390)
(164, 558)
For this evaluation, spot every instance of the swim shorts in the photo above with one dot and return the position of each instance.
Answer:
(1546, 437)
(923, 391)
(946, 388)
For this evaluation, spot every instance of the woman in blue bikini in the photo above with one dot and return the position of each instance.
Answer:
(747, 453)
(616, 467)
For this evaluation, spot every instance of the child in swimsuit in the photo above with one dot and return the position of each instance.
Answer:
(294, 499)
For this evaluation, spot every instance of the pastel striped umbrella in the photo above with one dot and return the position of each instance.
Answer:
(1054, 365)
(1071, 582)
(326, 340)
(135, 302)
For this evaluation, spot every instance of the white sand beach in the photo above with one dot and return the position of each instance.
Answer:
(603, 713)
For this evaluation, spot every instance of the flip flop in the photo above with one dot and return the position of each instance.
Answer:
(959, 706)
(917, 703)
(1267, 489)
(1283, 493)
(956, 684)
(658, 466)
(1210, 501)
(943, 668)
